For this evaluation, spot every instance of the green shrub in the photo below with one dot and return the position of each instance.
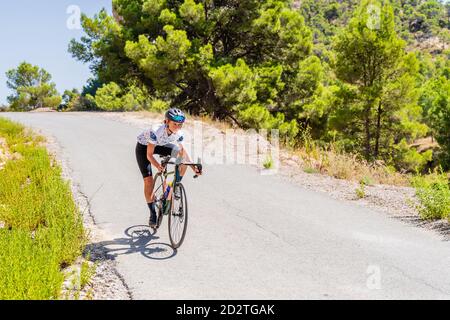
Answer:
(361, 190)
(433, 193)
(28, 268)
(158, 105)
(268, 162)
(112, 97)
(87, 271)
(409, 159)
(367, 181)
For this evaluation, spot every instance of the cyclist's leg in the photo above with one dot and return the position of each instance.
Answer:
(146, 171)
(146, 168)
(143, 163)
(148, 189)
(182, 153)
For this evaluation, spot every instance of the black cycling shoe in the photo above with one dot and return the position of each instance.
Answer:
(152, 221)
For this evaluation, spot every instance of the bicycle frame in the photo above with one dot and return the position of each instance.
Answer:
(164, 162)
(164, 202)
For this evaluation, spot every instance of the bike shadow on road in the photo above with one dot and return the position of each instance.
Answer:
(138, 239)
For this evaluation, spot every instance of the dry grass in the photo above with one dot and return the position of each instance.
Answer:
(220, 125)
(330, 161)
(340, 165)
(148, 114)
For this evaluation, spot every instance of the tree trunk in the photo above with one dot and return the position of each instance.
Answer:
(378, 132)
(211, 102)
(368, 137)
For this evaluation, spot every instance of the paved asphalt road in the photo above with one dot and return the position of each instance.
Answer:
(249, 236)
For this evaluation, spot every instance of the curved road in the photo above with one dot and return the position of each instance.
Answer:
(249, 236)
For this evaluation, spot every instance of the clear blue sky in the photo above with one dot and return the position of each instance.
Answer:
(37, 32)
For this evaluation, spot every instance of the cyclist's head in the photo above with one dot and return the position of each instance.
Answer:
(175, 115)
(174, 119)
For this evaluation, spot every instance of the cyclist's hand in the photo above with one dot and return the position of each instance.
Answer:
(197, 171)
(160, 168)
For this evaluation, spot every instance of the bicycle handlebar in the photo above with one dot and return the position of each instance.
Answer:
(167, 161)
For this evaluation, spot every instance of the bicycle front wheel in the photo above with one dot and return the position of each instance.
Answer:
(178, 218)
(159, 198)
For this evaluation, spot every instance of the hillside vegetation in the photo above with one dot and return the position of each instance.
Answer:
(366, 77)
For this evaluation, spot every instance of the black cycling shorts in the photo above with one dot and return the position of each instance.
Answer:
(141, 156)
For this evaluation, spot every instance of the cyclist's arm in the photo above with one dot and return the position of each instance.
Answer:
(188, 159)
(151, 158)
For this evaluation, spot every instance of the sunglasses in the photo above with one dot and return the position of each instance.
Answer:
(178, 118)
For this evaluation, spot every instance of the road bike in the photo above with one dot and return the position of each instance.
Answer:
(172, 202)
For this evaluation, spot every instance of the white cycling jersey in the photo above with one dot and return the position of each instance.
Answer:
(158, 135)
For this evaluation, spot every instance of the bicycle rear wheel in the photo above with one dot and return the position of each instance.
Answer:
(178, 218)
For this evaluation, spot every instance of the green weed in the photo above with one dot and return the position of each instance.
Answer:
(43, 230)
(433, 192)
